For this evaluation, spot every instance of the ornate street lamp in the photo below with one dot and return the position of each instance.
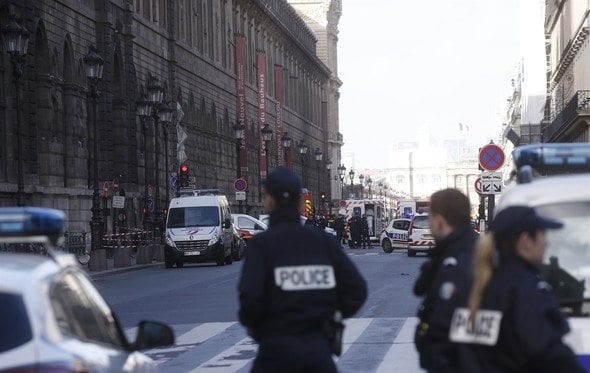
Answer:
(380, 189)
(94, 65)
(303, 153)
(165, 114)
(239, 135)
(341, 175)
(155, 95)
(16, 43)
(361, 179)
(318, 157)
(266, 133)
(369, 184)
(144, 111)
(287, 145)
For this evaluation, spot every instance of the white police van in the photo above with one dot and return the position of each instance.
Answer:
(555, 180)
(199, 229)
(52, 318)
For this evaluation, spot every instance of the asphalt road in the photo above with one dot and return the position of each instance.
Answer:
(200, 302)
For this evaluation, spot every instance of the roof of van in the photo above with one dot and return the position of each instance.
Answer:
(208, 200)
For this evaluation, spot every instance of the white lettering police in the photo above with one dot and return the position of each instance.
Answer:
(483, 330)
(312, 277)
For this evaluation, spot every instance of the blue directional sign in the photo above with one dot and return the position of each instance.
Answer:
(151, 205)
(173, 182)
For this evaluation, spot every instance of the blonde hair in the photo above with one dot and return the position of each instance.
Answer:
(483, 270)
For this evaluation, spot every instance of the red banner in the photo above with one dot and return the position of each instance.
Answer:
(261, 74)
(280, 97)
(241, 102)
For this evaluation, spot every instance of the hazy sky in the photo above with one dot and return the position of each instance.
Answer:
(408, 63)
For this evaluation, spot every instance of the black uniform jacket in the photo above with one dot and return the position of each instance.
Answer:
(444, 282)
(531, 327)
(293, 279)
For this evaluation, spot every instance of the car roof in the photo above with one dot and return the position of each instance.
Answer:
(196, 201)
(19, 271)
(546, 190)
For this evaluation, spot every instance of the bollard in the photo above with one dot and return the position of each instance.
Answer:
(98, 260)
(121, 257)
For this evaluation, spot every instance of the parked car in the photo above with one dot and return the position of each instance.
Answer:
(238, 248)
(247, 225)
(53, 319)
(395, 235)
(419, 236)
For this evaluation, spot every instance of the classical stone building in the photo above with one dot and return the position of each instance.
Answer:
(193, 48)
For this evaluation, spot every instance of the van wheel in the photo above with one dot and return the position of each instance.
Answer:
(386, 245)
(236, 255)
(229, 259)
(411, 252)
(220, 259)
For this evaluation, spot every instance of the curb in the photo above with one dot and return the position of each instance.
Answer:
(117, 271)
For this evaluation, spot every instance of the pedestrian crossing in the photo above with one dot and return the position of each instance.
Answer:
(369, 345)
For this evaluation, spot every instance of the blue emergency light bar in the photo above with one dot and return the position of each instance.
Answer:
(553, 156)
(30, 221)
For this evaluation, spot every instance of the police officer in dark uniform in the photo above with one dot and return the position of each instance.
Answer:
(512, 322)
(339, 227)
(293, 280)
(354, 225)
(445, 279)
(365, 239)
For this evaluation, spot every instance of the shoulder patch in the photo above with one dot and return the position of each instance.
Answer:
(446, 291)
(451, 261)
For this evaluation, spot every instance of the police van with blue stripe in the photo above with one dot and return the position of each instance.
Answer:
(555, 180)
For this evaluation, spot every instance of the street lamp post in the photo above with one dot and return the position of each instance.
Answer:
(144, 112)
(239, 135)
(361, 179)
(16, 43)
(342, 174)
(351, 176)
(369, 184)
(267, 138)
(318, 157)
(380, 185)
(165, 113)
(329, 173)
(155, 97)
(94, 65)
(303, 152)
(287, 144)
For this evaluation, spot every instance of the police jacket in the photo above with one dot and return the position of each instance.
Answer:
(293, 279)
(522, 312)
(444, 282)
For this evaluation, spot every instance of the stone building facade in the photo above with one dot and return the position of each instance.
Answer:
(190, 45)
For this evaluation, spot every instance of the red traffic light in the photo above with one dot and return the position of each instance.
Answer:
(184, 168)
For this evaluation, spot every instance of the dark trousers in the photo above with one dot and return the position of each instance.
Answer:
(305, 353)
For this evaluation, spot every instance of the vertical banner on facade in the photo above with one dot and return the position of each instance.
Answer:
(261, 74)
(280, 99)
(241, 101)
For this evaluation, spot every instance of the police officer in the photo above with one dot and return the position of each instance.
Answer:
(339, 227)
(293, 280)
(365, 239)
(354, 225)
(512, 323)
(445, 279)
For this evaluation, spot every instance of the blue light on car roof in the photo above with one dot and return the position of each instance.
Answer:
(552, 156)
(30, 221)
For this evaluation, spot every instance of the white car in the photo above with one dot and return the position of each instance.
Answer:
(395, 235)
(419, 236)
(53, 319)
(248, 226)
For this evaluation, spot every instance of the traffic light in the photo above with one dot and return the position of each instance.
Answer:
(183, 176)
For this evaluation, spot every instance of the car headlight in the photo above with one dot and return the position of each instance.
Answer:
(214, 239)
(169, 241)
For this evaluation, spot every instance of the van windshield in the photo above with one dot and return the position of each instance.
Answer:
(199, 216)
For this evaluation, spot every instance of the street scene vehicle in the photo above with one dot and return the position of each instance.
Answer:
(375, 209)
(419, 237)
(395, 235)
(562, 195)
(247, 225)
(199, 229)
(53, 319)
(238, 248)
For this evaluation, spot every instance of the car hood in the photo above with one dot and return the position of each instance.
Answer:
(195, 232)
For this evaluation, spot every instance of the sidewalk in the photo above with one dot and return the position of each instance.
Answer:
(115, 271)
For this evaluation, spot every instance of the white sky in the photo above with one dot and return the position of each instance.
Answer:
(408, 63)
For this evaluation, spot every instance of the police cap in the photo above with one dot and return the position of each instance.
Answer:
(512, 221)
(283, 185)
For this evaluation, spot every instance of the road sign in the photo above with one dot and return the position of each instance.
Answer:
(118, 202)
(491, 182)
(151, 205)
(240, 185)
(240, 196)
(478, 185)
(150, 191)
(173, 182)
(491, 157)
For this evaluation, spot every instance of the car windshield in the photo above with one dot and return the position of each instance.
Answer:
(200, 216)
(421, 222)
(15, 329)
(567, 260)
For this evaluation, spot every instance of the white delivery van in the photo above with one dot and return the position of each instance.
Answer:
(198, 229)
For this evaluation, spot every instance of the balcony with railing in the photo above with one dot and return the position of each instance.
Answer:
(578, 106)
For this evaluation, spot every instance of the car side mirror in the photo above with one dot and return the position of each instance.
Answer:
(151, 334)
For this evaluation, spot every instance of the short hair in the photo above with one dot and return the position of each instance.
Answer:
(452, 205)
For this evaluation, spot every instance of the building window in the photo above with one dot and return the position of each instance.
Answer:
(400, 180)
(436, 180)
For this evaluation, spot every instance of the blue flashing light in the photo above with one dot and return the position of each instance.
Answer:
(30, 221)
(562, 156)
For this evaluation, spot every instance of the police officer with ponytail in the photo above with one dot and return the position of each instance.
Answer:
(294, 279)
(512, 322)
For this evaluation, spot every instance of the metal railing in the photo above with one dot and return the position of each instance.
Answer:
(580, 100)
